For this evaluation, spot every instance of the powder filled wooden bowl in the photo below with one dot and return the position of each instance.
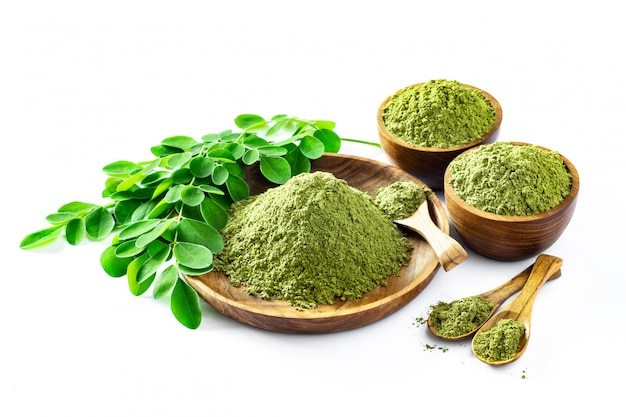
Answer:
(429, 163)
(510, 237)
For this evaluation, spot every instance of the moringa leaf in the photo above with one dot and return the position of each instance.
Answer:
(194, 231)
(193, 255)
(165, 282)
(180, 142)
(120, 168)
(113, 265)
(60, 218)
(75, 231)
(248, 121)
(41, 237)
(213, 214)
(237, 188)
(311, 147)
(331, 141)
(276, 170)
(99, 223)
(192, 195)
(185, 305)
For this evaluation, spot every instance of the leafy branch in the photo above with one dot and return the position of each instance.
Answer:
(167, 212)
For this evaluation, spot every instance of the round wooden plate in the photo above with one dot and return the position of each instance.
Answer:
(277, 315)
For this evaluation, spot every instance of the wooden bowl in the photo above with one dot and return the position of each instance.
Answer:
(429, 164)
(510, 238)
(277, 315)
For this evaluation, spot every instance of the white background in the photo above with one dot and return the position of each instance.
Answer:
(83, 84)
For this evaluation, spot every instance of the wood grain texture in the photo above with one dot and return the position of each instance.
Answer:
(429, 164)
(276, 315)
(510, 238)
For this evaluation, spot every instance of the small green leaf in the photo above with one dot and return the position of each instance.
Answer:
(253, 141)
(272, 151)
(324, 124)
(129, 182)
(331, 141)
(194, 272)
(173, 195)
(193, 255)
(185, 305)
(250, 156)
(128, 249)
(220, 175)
(201, 167)
(182, 176)
(99, 223)
(210, 189)
(235, 149)
(138, 228)
(155, 178)
(194, 231)
(120, 168)
(311, 147)
(75, 231)
(123, 211)
(192, 195)
(162, 187)
(143, 210)
(278, 127)
(213, 214)
(77, 207)
(41, 237)
(60, 218)
(247, 121)
(299, 163)
(276, 170)
(164, 282)
(181, 142)
(177, 160)
(153, 234)
(222, 155)
(238, 188)
(159, 209)
(112, 265)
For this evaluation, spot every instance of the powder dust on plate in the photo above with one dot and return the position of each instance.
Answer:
(310, 241)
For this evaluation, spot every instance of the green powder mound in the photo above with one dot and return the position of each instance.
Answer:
(501, 342)
(511, 180)
(401, 199)
(438, 114)
(461, 316)
(310, 241)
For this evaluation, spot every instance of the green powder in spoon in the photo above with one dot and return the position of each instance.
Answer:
(310, 241)
(501, 342)
(401, 199)
(460, 316)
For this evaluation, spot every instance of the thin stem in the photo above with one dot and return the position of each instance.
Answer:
(365, 142)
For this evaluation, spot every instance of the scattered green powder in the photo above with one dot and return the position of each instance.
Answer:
(310, 241)
(511, 180)
(438, 114)
(501, 342)
(401, 199)
(461, 316)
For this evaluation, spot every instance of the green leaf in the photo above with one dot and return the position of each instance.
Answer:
(253, 141)
(60, 218)
(276, 170)
(162, 187)
(181, 142)
(238, 188)
(331, 141)
(220, 175)
(128, 249)
(164, 282)
(222, 155)
(155, 178)
(185, 305)
(278, 127)
(173, 195)
(235, 149)
(194, 231)
(77, 207)
(143, 210)
(123, 211)
(182, 176)
(138, 228)
(120, 168)
(272, 151)
(159, 209)
(194, 272)
(298, 162)
(201, 167)
(213, 214)
(153, 234)
(193, 255)
(247, 121)
(324, 124)
(311, 147)
(177, 160)
(129, 182)
(210, 189)
(99, 223)
(75, 231)
(250, 156)
(192, 195)
(114, 266)
(41, 237)
(138, 282)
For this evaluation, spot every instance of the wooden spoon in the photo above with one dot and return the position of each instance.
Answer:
(520, 309)
(449, 252)
(496, 296)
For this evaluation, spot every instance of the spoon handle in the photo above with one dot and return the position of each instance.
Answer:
(544, 267)
(500, 294)
(449, 252)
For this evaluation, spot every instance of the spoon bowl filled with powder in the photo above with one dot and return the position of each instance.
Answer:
(510, 201)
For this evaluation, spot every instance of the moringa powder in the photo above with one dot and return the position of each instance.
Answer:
(438, 114)
(501, 342)
(511, 180)
(401, 199)
(460, 316)
(310, 241)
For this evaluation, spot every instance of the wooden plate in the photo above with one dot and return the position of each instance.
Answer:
(277, 315)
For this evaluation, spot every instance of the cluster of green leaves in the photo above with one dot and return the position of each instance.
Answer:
(167, 213)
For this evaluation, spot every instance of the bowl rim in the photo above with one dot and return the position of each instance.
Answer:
(391, 137)
(449, 191)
